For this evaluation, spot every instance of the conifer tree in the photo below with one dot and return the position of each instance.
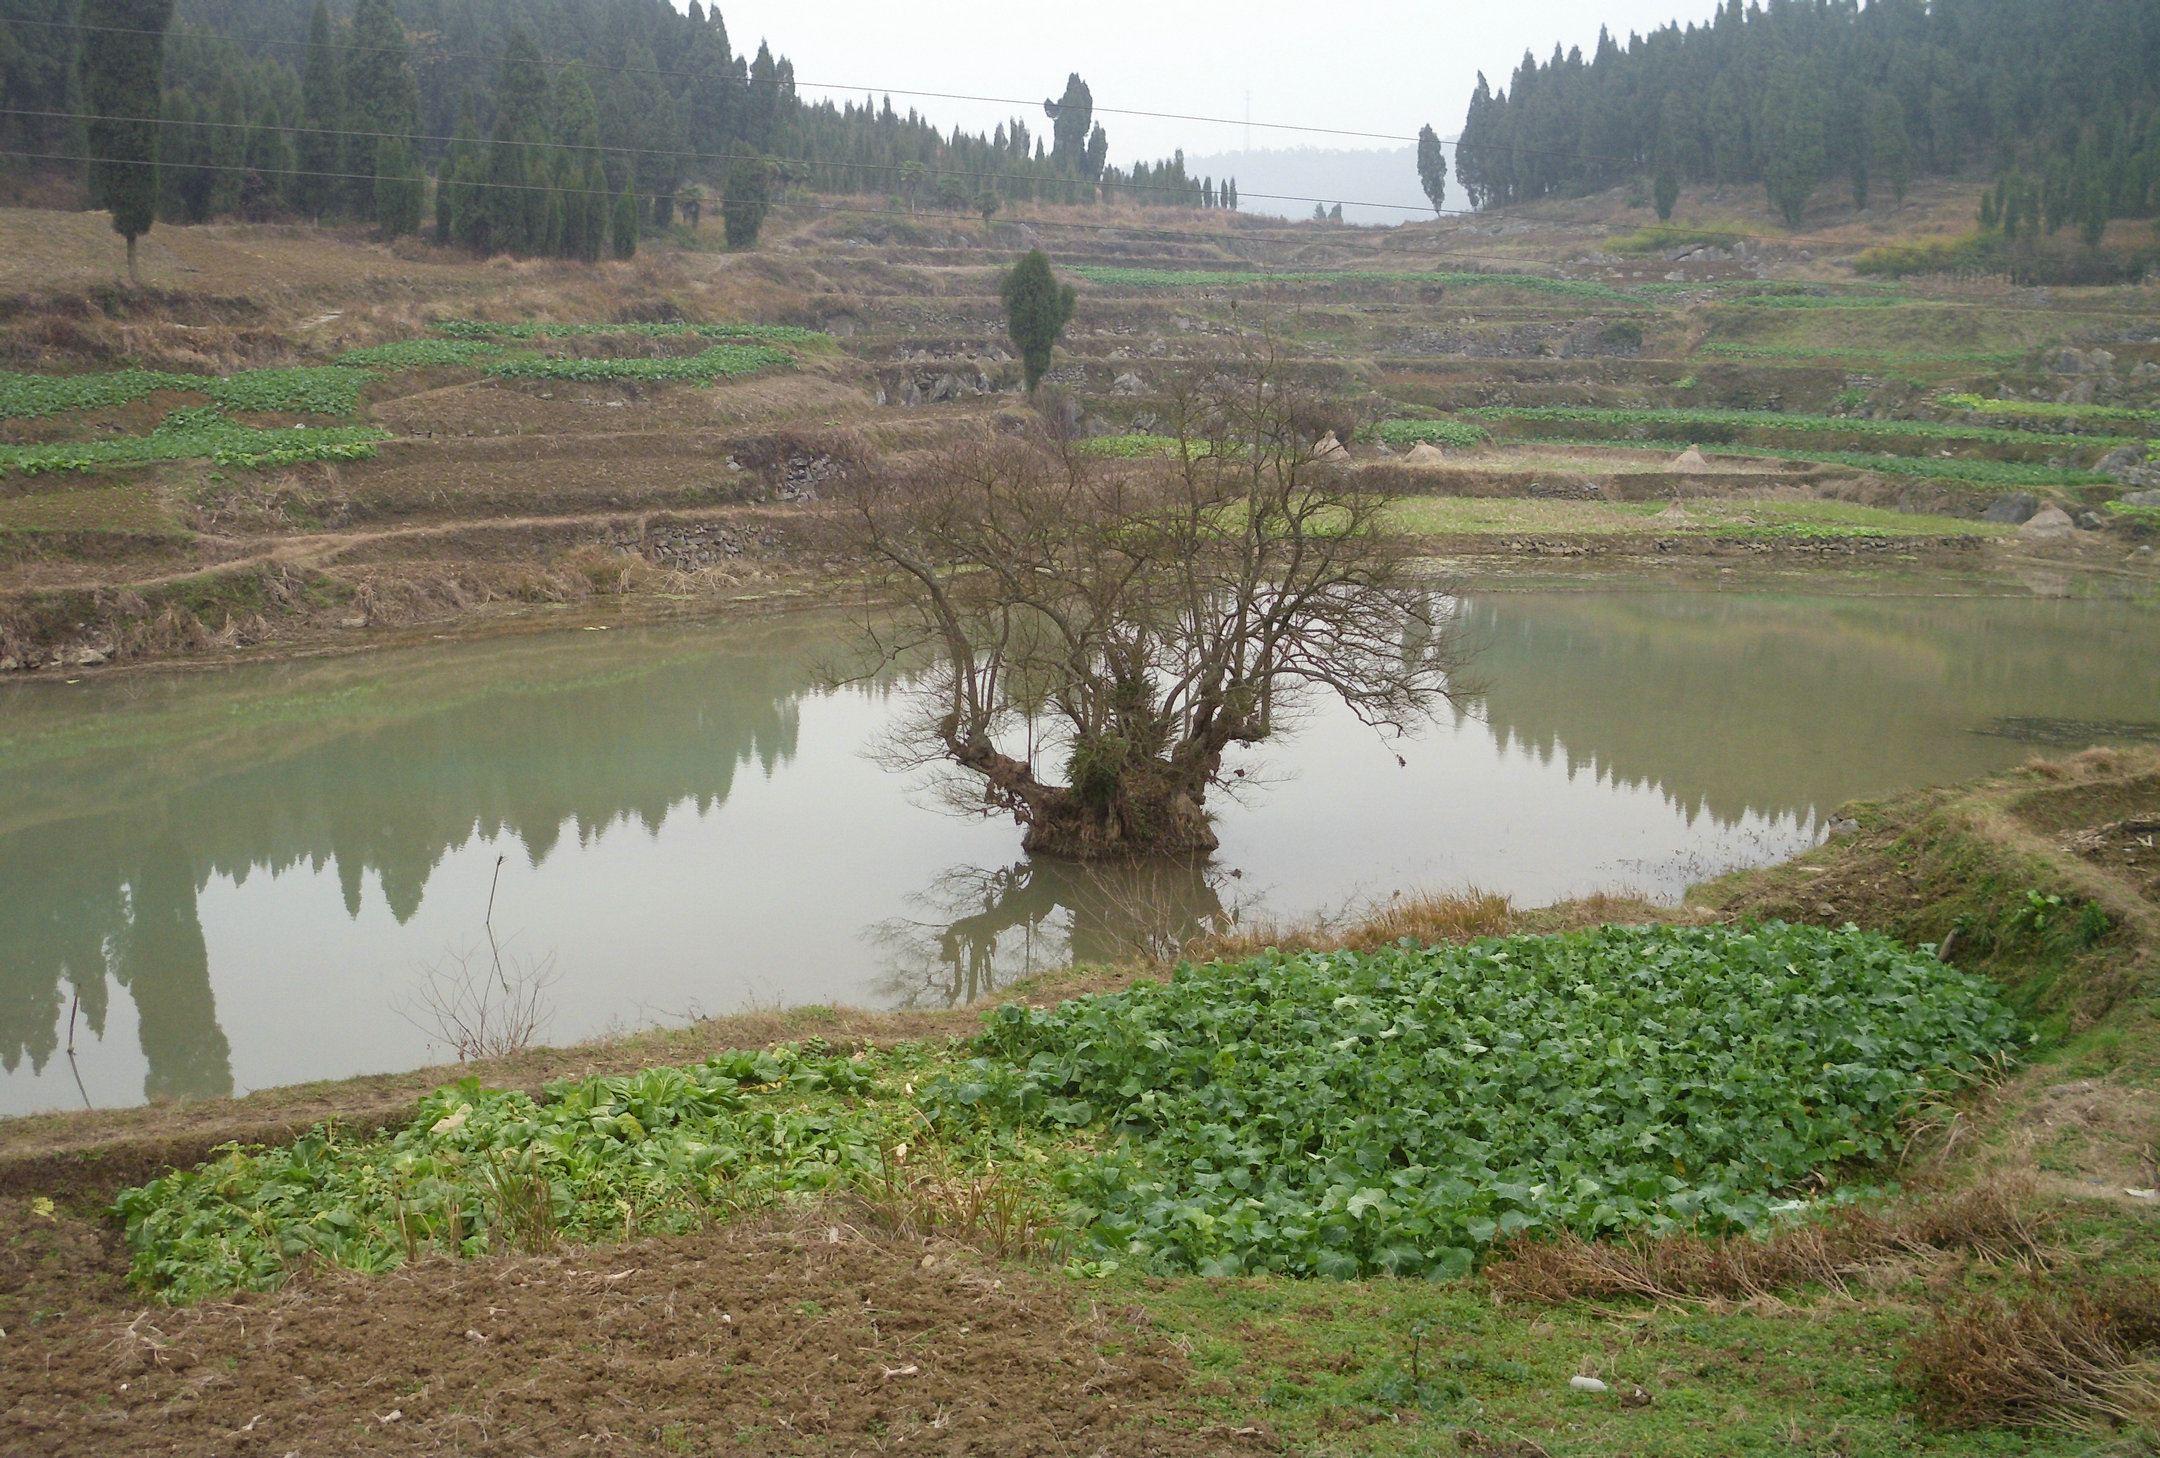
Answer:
(584, 199)
(1037, 309)
(1665, 189)
(2089, 195)
(456, 200)
(1072, 118)
(514, 201)
(1432, 168)
(1892, 144)
(400, 188)
(122, 61)
(746, 198)
(381, 101)
(322, 118)
(623, 238)
(1792, 137)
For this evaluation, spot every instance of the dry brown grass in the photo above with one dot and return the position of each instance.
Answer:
(2083, 1360)
(1428, 917)
(1992, 1222)
(922, 1194)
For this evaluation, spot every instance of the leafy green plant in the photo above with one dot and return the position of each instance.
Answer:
(1821, 301)
(1686, 382)
(1714, 425)
(2049, 411)
(1724, 349)
(199, 433)
(722, 361)
(772, 333)
(419, 354)
(318, 390)
(1200, 278)
(1336, 1114)
(491, 1169)
(1439, 432)
(2146, 516)
(1955, 468)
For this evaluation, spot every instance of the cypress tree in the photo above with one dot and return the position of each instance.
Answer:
(381, 101)
(513, 205)
(1432, 167)
(456, 211)
(1892, 143)
(1071, 118)
(226, 150)
(322, 118)
(122, 65)
(747, 197)
(400, 188)
(1037, 309)
(623, 237)
(2090, 196)
(577, 132)
(1792, 137)
(1665, 189)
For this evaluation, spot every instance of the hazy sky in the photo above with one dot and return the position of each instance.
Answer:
(1363, 65)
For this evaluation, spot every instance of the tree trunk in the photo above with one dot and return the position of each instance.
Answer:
(1137, 822)
(132, 279)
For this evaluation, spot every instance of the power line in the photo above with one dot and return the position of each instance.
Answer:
(1128, 228)
(720, 157)
(833, 86)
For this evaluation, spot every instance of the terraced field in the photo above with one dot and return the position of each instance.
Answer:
(373, 444)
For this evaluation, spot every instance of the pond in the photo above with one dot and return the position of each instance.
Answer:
(219, 881)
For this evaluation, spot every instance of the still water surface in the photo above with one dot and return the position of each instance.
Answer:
(237, 879)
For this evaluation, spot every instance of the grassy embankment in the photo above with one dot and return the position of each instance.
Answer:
(1152, 1149)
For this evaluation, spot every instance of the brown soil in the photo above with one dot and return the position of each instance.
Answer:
(812, 1337)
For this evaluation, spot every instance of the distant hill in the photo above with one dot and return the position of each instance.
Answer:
(1333, 176)
(2059, 98)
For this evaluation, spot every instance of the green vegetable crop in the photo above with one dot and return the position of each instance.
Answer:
(1439, 432)
(1197, 278)
(197, 434)
(420, 354)
(775, 333)
(323, 390)
(652, 1151)
(1338, 1114)
(720, 361)
(1729, 423)
(2049, 412)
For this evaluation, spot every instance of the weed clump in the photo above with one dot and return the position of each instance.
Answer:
(2078, 1360)
(1853, 1241)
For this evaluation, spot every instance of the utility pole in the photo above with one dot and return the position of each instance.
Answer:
(1248, 118)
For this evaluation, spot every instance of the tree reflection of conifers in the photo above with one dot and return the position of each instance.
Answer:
(984, 928)
(381, 764)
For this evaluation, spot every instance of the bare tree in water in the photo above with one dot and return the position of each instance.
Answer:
(1105, 630)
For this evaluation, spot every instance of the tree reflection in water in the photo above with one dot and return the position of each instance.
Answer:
(983, 928)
